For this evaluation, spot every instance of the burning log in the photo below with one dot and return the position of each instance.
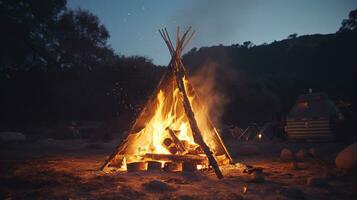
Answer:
(173, 150)
(180, 146)
(136, 166)
(172, 167)
(154, 166)
(167, 142)
(176, 158)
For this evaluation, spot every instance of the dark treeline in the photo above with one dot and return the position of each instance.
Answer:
(263, 82)
(56, 66)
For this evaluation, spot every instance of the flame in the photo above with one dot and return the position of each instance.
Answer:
(168, 114)
(165, 119)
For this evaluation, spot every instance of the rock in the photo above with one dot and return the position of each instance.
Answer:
(293, 192)
(247, 150)
(313, 152)
(301, 155)
(347, 158)
(157, 186)
(316, 182)
(286, 155)
(12, 137)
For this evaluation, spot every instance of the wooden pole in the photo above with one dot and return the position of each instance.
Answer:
(197, 136)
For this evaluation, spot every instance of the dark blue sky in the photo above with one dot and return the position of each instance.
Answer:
(134, 24)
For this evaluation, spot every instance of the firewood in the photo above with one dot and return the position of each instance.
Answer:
(197, 136)
(172, 166)
(180, 146)
(167, 142)
(175, 158)
(136, 166)
(173, 150)
(154, 166)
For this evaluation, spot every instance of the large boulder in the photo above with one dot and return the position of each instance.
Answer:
(286, 155)
(347, 158)
(12, 137)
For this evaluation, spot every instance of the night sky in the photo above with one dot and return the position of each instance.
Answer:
(134, 24)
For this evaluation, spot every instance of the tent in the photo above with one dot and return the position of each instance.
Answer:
(312, 118)
(174, 122)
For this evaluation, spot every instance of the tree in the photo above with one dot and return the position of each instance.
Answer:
(248, 44)
(293, 36)
(350, 23)
(27, 32)
(82, 40)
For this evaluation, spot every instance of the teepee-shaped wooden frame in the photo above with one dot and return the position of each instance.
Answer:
(176, 74)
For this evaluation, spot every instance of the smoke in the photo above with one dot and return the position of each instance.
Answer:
(210, 90)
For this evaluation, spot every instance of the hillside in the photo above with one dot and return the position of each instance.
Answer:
(262, 82)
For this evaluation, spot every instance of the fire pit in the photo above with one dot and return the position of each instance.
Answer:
(174, 126)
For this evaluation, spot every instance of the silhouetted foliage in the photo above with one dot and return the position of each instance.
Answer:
(350, 23)
(56, 66)
(27, 33)
(82, 40)
(293, 36)
(264, 81)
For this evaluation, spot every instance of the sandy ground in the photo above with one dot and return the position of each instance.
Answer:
(55, 169)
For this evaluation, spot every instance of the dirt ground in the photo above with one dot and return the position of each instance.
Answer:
(53, 169)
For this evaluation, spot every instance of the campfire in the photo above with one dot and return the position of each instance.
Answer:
(173, 132)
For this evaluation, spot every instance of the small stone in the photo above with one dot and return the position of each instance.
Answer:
(347, 158)
(301, 155)
(157, 186)
(286, 155)
(293, 192)
(316, 182)
(313, 152)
